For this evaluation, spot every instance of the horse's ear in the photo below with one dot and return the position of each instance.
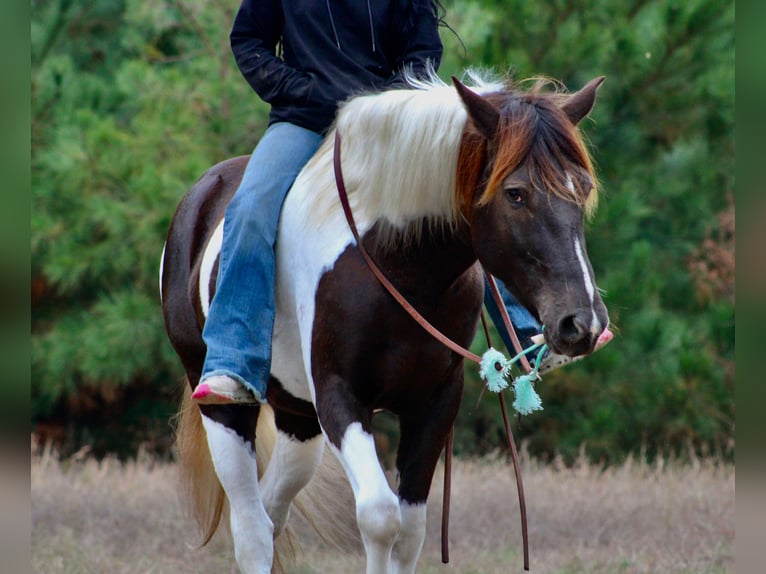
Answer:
(484, 115)
(579, 104)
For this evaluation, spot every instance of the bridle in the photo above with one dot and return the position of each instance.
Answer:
(452, 345)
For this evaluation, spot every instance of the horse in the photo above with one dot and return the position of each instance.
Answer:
(441, 180)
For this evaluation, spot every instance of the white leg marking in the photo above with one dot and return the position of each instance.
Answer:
(595, 324)
(411, 536)
(212, 250)
(377, 507)
(251, 527)
(292, 465)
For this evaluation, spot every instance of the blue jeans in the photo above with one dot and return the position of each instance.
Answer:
(240, 320)
(523, 321)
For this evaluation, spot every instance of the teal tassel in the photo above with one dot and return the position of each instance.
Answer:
(527, 399)
(493, 370)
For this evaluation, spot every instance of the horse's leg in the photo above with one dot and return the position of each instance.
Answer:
(296, 456)
(423, 435)
(347, 427)
(230, 433)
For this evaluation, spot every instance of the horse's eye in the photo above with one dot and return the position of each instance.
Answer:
(515, 195)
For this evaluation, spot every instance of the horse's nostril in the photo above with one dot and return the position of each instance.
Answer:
(572, 328)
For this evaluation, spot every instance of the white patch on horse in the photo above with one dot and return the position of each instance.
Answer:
(287, 362)
(292, 465)
(212, 250)
(236, 467)
(590, 288)
(411, 536)
(303, 255)
(570, 186)
(377, 507)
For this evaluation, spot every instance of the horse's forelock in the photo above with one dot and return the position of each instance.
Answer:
(535, 130)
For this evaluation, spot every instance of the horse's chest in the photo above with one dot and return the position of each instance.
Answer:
(362, 334)
(411, 369)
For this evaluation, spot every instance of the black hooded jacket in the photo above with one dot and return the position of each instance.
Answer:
(331, 49)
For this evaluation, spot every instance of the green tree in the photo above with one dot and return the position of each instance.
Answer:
(131, 103)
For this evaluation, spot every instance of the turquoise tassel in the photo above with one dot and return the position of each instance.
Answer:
(527, 399)
(493, 370)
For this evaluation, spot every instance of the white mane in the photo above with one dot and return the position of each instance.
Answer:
(399, 156)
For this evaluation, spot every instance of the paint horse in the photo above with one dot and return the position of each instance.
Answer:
(441, 180)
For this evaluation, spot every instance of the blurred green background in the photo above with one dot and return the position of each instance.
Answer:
(132, 101)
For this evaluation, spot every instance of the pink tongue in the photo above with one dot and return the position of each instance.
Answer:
(605, 336)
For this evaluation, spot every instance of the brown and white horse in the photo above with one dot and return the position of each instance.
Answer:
(440, 178)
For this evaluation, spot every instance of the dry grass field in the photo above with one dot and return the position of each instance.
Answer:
(108, 517)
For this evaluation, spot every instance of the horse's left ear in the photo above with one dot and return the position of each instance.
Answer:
(484, 115)
(579, 104)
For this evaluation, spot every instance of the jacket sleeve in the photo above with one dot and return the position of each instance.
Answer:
(421, 47)
(254, 36)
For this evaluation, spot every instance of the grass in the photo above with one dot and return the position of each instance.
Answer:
(95, 517)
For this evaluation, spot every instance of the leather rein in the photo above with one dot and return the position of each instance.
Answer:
(439, 336)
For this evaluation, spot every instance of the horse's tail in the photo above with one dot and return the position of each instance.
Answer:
(200, 485)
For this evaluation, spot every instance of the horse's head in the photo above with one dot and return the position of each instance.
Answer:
(527, 185)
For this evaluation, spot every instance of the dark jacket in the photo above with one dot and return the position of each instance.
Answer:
(331, 49)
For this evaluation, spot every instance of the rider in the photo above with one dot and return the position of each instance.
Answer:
(329, 51)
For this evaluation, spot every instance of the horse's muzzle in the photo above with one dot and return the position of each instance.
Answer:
(576, 334)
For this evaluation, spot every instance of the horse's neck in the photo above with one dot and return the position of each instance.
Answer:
(429, 265)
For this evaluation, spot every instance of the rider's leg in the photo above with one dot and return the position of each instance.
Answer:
(240, 321)
(523, 322)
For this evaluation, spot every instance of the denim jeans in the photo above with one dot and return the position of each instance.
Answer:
(521, 319)
(240, 320)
